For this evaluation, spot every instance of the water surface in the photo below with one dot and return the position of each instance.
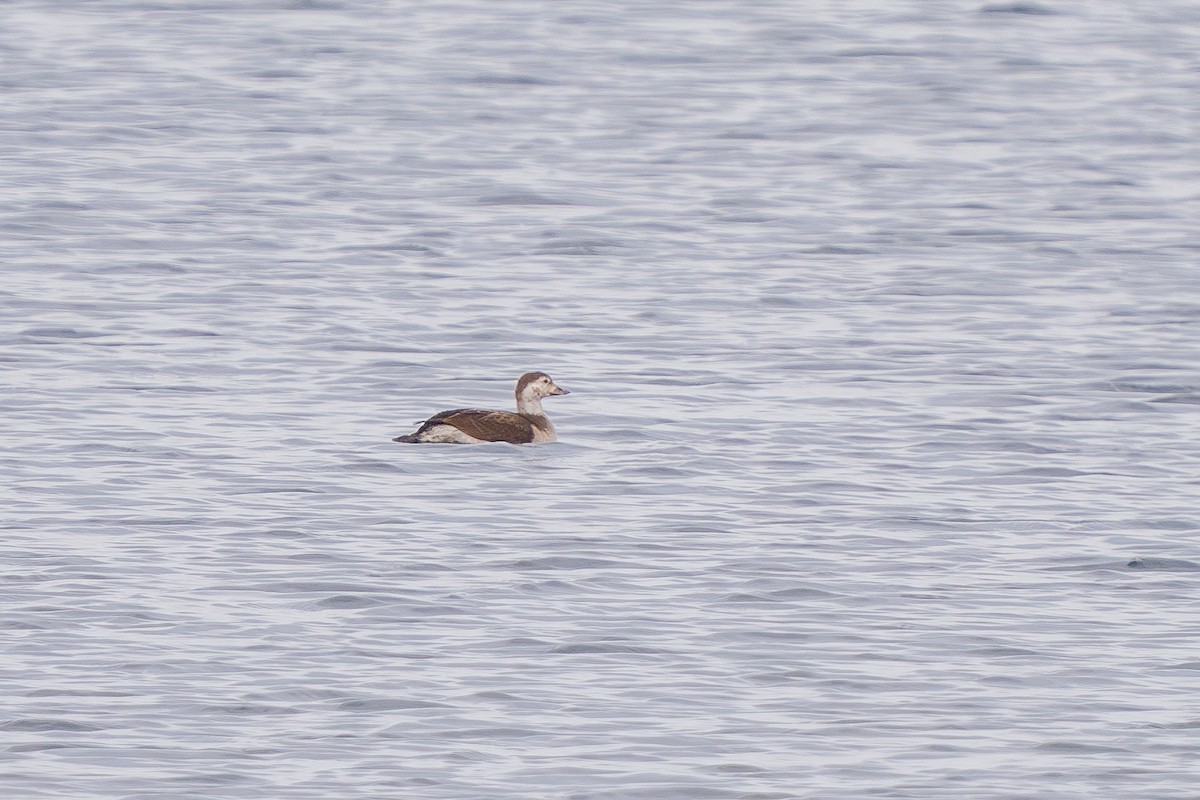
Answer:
(878, 478)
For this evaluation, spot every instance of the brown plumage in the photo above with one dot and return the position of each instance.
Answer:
(529, 425)
(479, 423)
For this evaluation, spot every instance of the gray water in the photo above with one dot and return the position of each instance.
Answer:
(878, 478)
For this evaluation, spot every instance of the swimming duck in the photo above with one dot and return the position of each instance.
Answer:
(529, 425)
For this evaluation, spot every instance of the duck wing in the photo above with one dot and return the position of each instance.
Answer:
(487, 425)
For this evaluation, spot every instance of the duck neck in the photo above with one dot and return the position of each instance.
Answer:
(530, 406)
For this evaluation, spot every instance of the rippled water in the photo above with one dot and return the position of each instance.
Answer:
(878, 478)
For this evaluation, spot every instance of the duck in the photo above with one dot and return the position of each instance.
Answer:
(529, 425)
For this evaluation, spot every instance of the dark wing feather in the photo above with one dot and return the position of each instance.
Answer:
(490, 426)
(436, 419)
(479, 423)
